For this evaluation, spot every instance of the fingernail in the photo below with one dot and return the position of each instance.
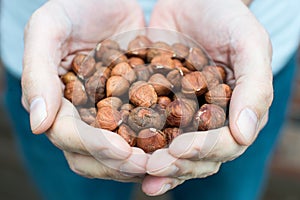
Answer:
(38, 113)
(164, 189)
(247, 124)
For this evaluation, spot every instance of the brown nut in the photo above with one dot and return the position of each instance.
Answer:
(69, 77)
(172, 133)
(138, 46)
(142, 94)
(162, 64)
(104, 46)
(196, 59)
(142, 73)
(159, 48)
(116, 86)
(175, 77)
(123, 69)
(113, 102)
(95, 87)
(163, 101)
(209, 116)
(112, 57)
(150, 140)
(142, 117)
(135, 61)
(218, 72)
(125, 111)
(75, 92)
(102, 71)
(212, 79)
(88, 115)
(124, 115)
(127, 134)
(180, 51)
(127, 106)
(179, 66)
(108, 118)
(83, 65)
(219, 95)
(194, 84)
(180, 112)
(161, 84)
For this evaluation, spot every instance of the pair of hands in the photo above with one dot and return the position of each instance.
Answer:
(226, 29)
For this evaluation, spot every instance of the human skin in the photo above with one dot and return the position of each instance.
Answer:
(54, 34)
(232, 36)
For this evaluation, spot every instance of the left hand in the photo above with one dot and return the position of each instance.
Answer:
(232, 36)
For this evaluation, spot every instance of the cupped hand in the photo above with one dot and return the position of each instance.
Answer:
(54, 34)
(232, 36)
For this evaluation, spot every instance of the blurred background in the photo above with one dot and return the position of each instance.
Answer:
(283, 183)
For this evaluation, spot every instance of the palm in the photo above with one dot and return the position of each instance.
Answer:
(212, 24)
(88, 23)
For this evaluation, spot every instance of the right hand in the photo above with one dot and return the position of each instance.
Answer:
(54, 34)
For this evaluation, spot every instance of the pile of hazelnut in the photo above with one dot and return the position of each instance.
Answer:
(150, 93)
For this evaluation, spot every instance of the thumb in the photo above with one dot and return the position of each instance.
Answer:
(41, 87)
(253, 93)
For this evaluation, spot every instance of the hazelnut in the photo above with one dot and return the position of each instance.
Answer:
(161, 84)
(142, 73)
(125, 111)
(142, 117)
(171, 133)
(102, 71)
(127, 106)
(218, 71)
(108, 118)
(163, 101)
(83, 65)
(95, 87)
(180, 51)
(124, 115)
(113, 102)
(112, 57)
(179, 66)
(142, 94)
(193, 84)
(88, 115)
(69, 77)
(104, 46)
(209, 116)
(162, 63)
(180, 112)
(135, 61)
(219, 95)
(124, 69)
(75, 92)
(175, 77)
(150, 140)
(211, 78)
(196, 59)
(138, 46)
(116, 86)
(127, 134)
(159, 48)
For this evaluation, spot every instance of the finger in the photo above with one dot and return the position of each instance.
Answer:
(70, 133)
(154, 186)
(88, 166)
(185, 169)
(215, 145)
(40, 82)
(253, 93)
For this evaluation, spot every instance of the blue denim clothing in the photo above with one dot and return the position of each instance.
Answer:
(241, 179)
